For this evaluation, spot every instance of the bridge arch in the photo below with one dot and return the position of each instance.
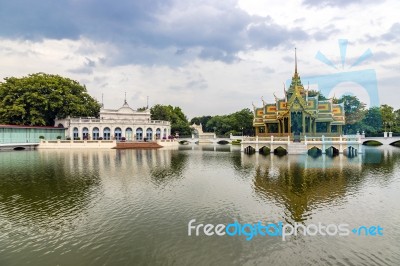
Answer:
(350, 151)
(314, 151)
(395, 143)
(264, 150)
(223, 142)
(332, 151)
(280, 151)
(372, 143)
(19, 148)
(249, 149)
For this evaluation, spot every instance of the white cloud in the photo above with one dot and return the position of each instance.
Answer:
(209, 57)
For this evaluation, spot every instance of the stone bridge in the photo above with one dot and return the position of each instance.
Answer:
(383, 140)
(195, 140)
(348, 143)
(18, 146)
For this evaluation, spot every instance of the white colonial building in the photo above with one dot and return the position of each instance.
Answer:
(116, 124)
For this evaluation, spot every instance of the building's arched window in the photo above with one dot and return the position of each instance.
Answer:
(165, 133)
(96, 133)
(128, 133)
(158, 133)
(149, 134)
(139, 134)
(75, 133)
(118, 133)
(85, 133)
(106, 133)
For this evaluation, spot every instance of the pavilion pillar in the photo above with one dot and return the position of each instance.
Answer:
(303, 125)
(290, 123)
(283, 125)
(279, 126)
(315, 126)
(329, 127)
(309, 124)
(266, 128)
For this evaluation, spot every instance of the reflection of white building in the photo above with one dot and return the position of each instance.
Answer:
(115, 124)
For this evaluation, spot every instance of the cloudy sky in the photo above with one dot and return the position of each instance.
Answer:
(207, 56)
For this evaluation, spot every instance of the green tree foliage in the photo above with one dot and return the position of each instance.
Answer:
(39, 98)
(203, 121)
(397, 121)
(179, 122)
(388, 116)
(354, 111)
(235, 123)
(313, 93)
(372, 122)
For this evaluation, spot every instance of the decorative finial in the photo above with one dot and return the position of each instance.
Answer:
(125, 99)
(147, 102)
(295, 60)
(284, 91)
(102, 100)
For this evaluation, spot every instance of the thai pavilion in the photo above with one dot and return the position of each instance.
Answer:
(298, 113)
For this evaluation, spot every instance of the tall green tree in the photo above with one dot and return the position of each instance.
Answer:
(203, 121)
(372, 122)
(388, 116)
(354, 111)
(179, 121)
(39, 98)
(235, 123)
(397, 120)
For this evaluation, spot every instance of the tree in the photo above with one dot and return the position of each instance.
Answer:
(39, 98)
(313, 93)
(203, 121)
(388, 116)
(354, 111)
(175, 115)
(372, 122)
(397, 120)
(235, 123)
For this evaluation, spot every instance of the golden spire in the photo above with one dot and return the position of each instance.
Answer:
(295, 60)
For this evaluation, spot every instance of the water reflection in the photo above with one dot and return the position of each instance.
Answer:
(124, 207)
(302, 184)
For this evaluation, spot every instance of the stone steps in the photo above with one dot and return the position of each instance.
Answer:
(297, 148)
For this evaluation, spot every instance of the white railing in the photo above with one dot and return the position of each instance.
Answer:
(306, 139)
(119, 121)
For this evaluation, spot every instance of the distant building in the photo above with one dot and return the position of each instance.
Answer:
(116, 124)
(298, 113)
(28, 134)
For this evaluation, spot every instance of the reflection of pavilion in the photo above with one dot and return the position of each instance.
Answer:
(302, 183)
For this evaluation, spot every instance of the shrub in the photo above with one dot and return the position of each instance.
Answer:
(100, 138)
(58, 137)
(41, 137)
(68, 138)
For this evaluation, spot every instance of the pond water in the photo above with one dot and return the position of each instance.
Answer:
(133, 207)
